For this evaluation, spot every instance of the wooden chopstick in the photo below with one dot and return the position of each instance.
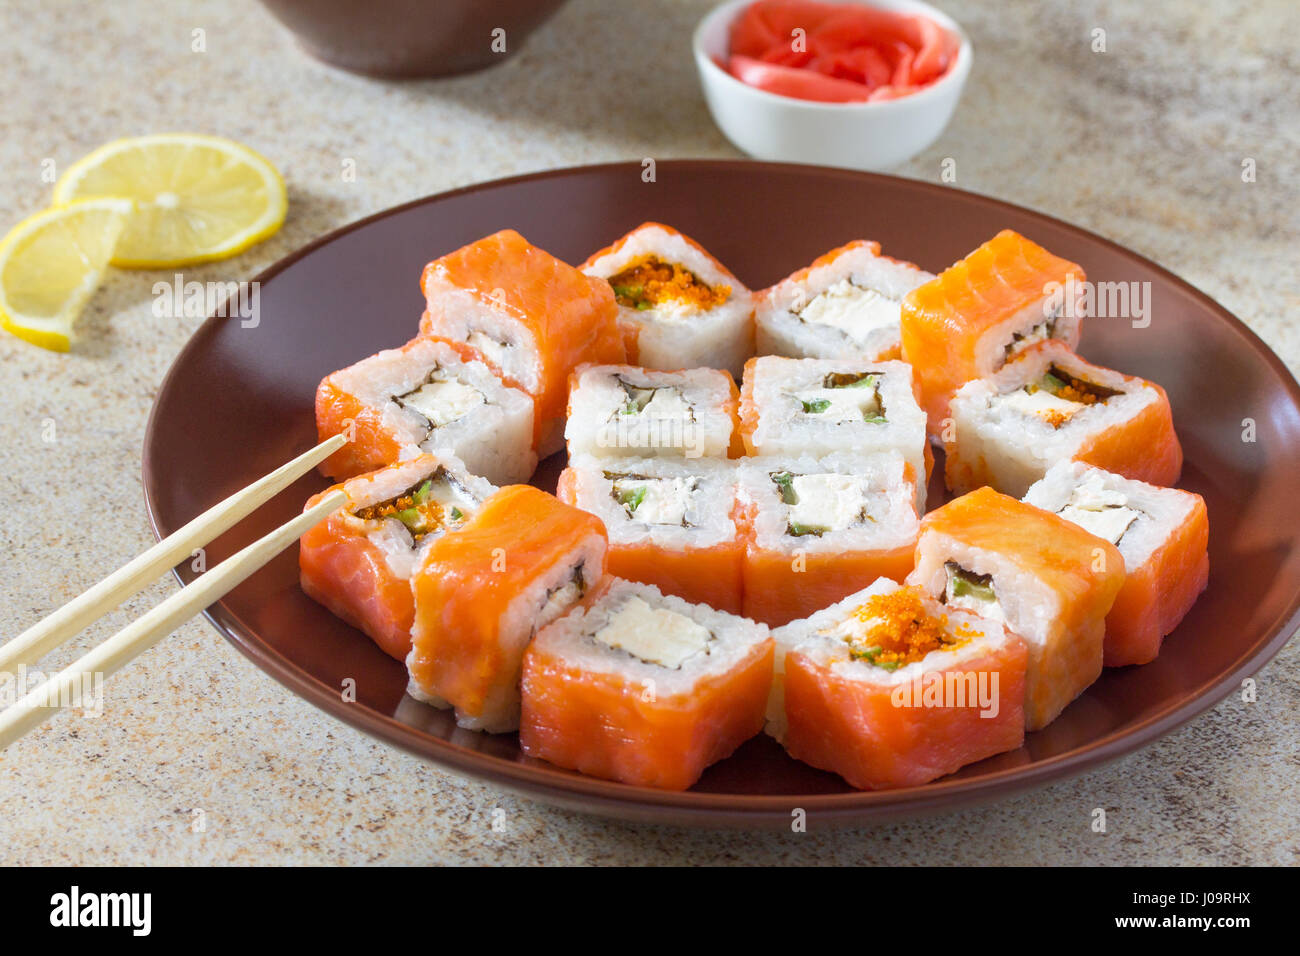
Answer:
(41, 638)
(64, 688)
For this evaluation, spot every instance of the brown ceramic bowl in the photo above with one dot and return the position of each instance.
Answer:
(411, 38)
(238, 402)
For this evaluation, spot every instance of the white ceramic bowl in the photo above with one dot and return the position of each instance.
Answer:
(857, 135)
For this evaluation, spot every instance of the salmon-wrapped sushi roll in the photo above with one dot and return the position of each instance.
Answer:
(1049, 405)
(359, 561)
(621, 410)
(984, 310)
(526, 314)
(678, 307)
(890, 688)
(1042, 576)
(817, 529)
(1163, 535)
(419, 398)
(670, 523)
(845, 305)
(821, 406)
(644, 688)
(519, 562)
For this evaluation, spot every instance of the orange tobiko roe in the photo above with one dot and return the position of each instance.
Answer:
(902, 629)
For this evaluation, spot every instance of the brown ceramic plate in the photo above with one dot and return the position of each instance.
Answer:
(238, 402)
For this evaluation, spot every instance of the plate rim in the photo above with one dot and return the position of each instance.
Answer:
(712, 808)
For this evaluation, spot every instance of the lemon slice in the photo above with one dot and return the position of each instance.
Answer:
(51, 263)
(198, 198)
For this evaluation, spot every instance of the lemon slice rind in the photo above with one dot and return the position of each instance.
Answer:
(198, 198)
(52, 262)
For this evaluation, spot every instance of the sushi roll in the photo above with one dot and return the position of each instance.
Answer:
(821, 406)
(1042, 576)
(889, 688)
(845, 305)
(359, 561)
(678, 307)
(669, 521)
(1163, 535)
(530, 317)
(519, 562)
(617, 411)
(644, 688)
(422, 397)
(1048, 406)
(817, 529)
(983, 311)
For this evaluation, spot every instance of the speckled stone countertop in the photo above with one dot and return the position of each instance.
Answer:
(1143, 143)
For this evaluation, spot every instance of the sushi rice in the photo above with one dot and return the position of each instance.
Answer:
(529, 316)
(832, 503)
(525, 556)
(823, 406)
(652, 639)
(623, 410)
(982, 312)
(360, 560)
(823, 635)
(675, 332)
(448, 482)
(845, 305)
(1163, 536)
(1041, 576)
(643, 687)
(670, 522)
(890, 688)
(426, 397)
(676, 504)
(817, 529)
(1008, 429)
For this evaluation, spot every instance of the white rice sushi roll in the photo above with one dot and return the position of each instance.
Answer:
(644, 688)
(1162, 534)
(1045, 578)
(678, 306)
(425, 397)
(527, 315)
(890, 688)
(624, 410)
(818, 529)
(846, 304)
(359, 561)
(1049, 405)
(522, 560)
(669, 520)
(821, 406)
